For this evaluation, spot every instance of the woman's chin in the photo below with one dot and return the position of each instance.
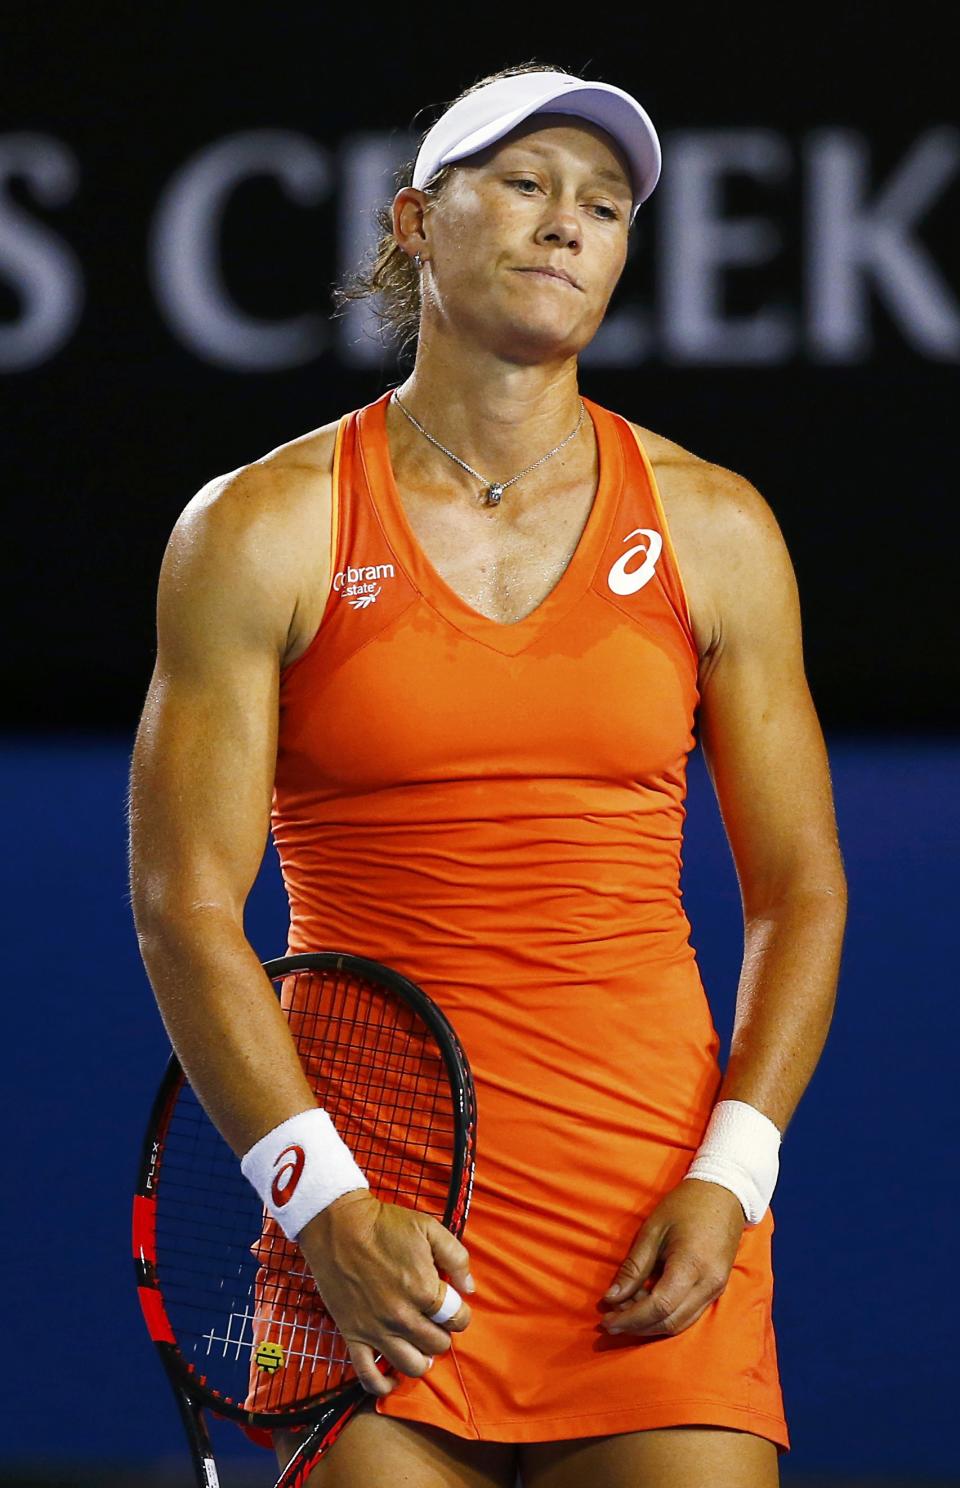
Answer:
(525, 334)
(535, 336)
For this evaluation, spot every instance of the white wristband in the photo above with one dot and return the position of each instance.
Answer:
(740, 1151)
(300, 1167)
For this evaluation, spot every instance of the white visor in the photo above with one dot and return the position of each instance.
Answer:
(487, 115)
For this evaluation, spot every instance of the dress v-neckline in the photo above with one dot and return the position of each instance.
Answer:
(509, 637)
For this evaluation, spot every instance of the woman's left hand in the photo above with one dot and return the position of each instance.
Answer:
(691, 1240)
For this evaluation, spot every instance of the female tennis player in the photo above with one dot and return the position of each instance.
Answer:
(458, 640)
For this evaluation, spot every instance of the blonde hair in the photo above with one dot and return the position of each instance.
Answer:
(390, 275)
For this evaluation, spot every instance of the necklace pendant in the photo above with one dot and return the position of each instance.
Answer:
(494, 494)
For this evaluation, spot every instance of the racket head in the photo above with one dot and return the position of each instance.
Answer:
(226, 1297)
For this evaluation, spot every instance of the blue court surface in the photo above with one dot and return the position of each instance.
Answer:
(865, 1306)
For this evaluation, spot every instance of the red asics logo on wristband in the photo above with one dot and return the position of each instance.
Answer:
(284, 1186)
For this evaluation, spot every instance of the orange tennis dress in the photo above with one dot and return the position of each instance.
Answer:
(497, 811)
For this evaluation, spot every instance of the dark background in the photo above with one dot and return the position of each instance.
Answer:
(107, 434)
(105, 440)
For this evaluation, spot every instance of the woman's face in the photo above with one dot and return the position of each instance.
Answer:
(554, 194)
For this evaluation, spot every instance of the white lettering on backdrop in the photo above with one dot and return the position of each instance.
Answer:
(186, 258)
(860, 247)
(43, 271)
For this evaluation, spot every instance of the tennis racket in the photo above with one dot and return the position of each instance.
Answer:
(228, 1300)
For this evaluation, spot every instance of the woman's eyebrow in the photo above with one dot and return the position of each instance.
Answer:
(617, 177)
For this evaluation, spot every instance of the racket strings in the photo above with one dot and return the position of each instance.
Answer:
(245, 1310)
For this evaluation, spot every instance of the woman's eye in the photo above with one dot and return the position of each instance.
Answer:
(610, 213)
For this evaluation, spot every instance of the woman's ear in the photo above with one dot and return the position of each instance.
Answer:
(409, 211)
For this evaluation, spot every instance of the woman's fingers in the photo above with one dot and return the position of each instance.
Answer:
(682, 1294)
(370, 1377)
(404, 1358)
(376, 1269)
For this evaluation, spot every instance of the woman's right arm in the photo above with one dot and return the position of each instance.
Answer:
(200, 794)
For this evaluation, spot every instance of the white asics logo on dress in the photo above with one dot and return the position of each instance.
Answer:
(622, 582)
(359, 585)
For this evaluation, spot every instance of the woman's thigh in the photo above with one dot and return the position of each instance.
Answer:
(667, 1457)
(383, 1451)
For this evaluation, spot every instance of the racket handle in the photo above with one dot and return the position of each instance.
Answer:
(201, 1451)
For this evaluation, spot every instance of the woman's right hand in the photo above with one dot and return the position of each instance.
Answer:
(376, 1266)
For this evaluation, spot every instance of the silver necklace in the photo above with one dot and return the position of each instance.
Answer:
(495, 489)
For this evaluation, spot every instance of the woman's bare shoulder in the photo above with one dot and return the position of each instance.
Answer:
(270, 521)
(293, 480)
(280, 500)
(307, 453)
(693, 486)
(685, 472)
(710, 511)
(276, 484)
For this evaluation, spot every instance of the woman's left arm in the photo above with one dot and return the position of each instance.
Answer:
(765, 753)
(767, 760)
